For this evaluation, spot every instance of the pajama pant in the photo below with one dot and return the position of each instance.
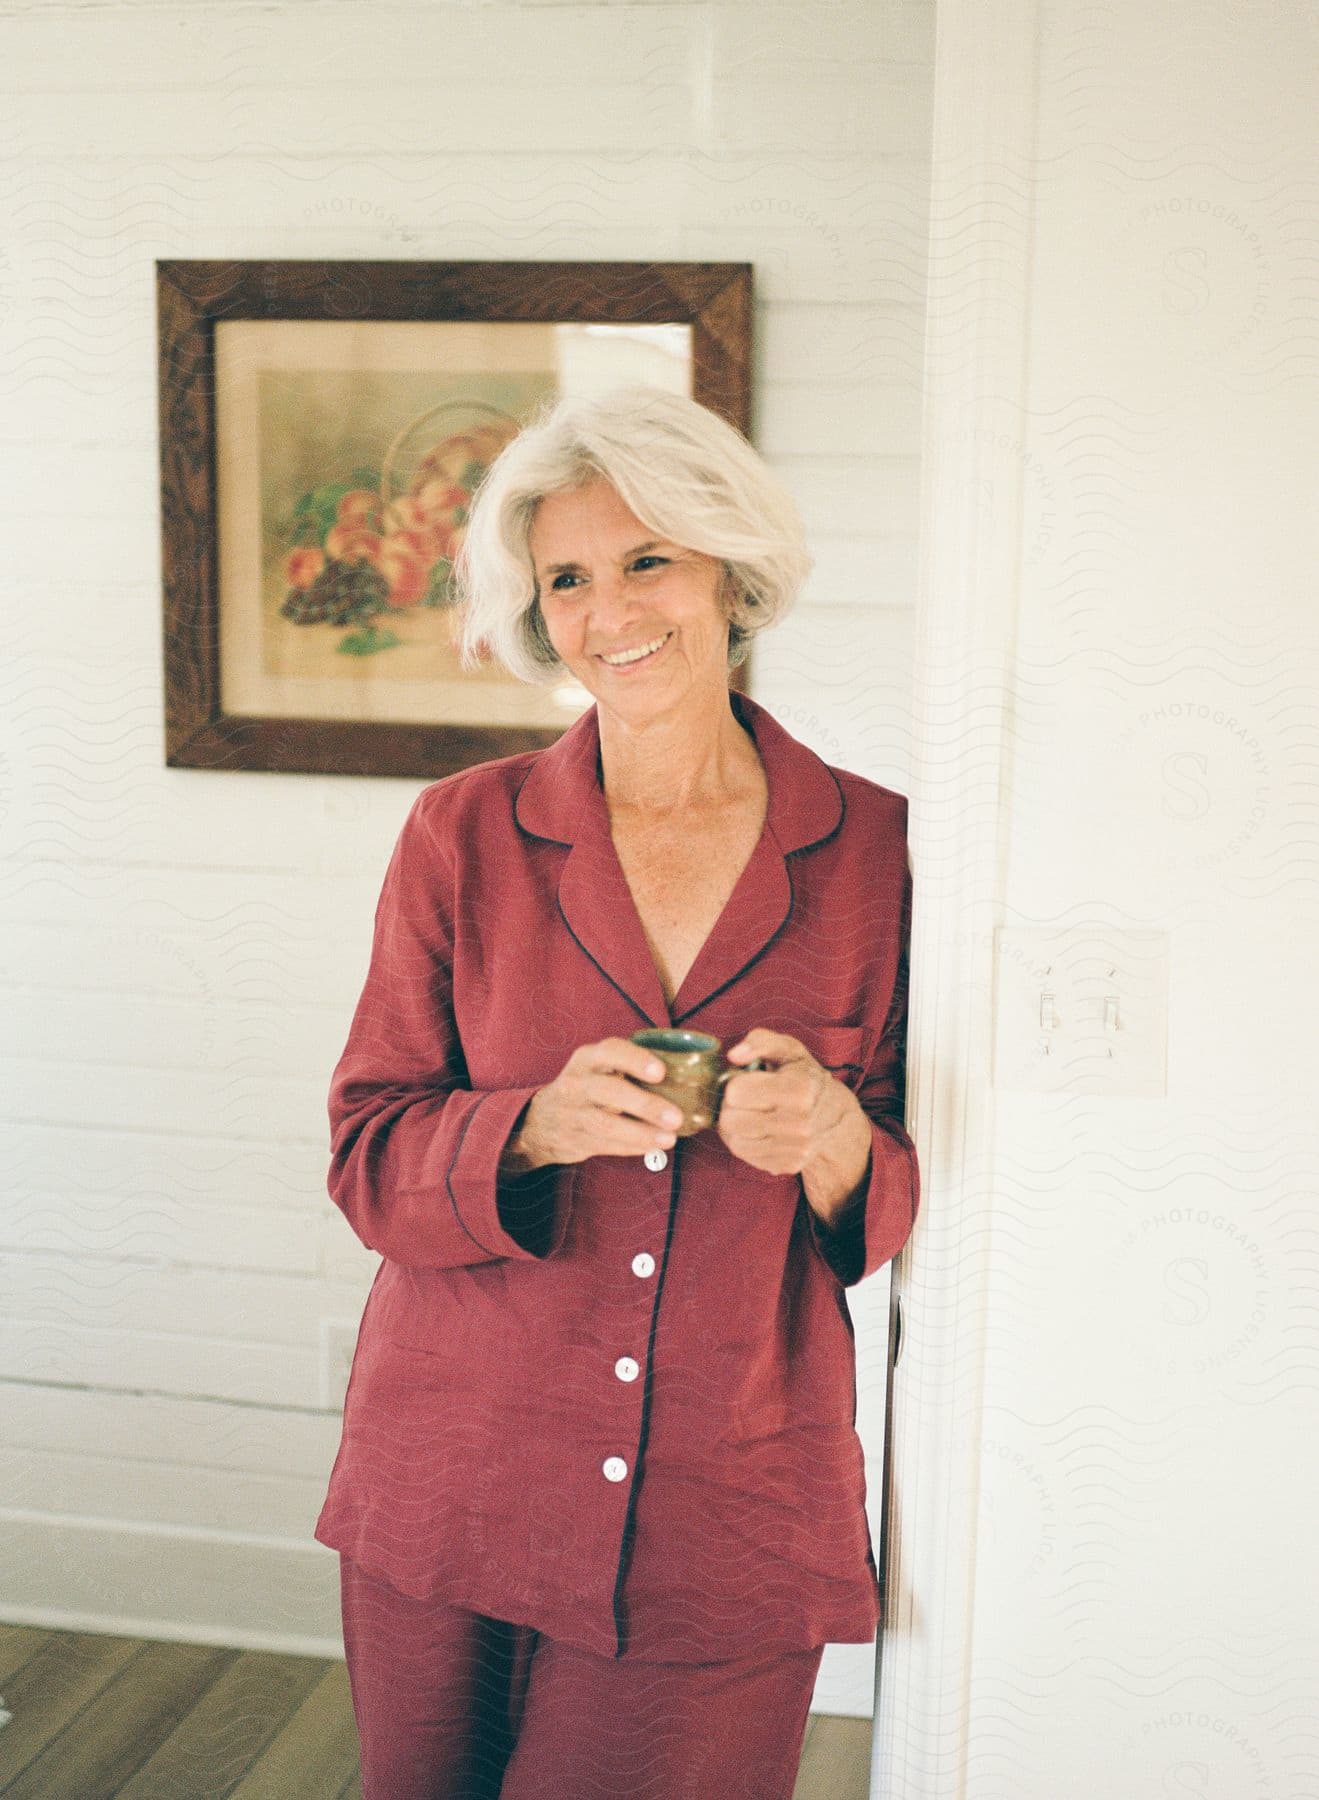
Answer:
(451, 1705)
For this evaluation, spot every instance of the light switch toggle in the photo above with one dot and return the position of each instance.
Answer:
(1081, 1009)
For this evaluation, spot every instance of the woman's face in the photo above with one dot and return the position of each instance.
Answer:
(608, 585)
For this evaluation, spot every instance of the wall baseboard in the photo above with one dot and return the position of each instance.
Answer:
(177, 1587)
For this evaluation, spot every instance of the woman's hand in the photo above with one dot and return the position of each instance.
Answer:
(796, 1119)
(591, 1109)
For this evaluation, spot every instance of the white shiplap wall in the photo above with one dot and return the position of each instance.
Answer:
(181, 950)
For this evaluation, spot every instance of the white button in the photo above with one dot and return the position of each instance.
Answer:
(626, 1369)
(614, 1467)
(643, 1263)
(655, 1160)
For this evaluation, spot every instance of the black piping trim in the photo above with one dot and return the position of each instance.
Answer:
(634, 1004)
(530, 830)
(764, 950)
(629, 1517)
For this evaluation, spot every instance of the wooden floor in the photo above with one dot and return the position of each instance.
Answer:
(94, 1717)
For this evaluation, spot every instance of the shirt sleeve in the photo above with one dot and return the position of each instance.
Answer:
(878, 1221)
(414, 1150)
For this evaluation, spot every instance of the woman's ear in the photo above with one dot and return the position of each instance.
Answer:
(729, 594)
(537, 637)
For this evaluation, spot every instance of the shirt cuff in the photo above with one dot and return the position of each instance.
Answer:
(842, 1244)
(490, 1208)
(875, 1226)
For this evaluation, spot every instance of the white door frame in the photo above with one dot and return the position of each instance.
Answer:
(981, 225)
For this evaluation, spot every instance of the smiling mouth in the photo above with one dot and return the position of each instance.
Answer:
(626, 659)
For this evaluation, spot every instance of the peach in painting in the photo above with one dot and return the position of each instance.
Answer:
(353, 542)
(441, 500)
(429, 545)
(408, 523)
(425, 534)
(404, 514)
(359, 506)
(301, 567)
(407, 573)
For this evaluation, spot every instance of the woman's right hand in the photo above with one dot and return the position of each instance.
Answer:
(592, 1109)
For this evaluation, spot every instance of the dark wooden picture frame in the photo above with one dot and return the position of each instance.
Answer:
(192, 297)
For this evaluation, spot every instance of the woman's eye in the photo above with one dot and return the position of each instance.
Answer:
(567, 574)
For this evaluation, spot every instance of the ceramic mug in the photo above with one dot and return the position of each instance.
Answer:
(696, 1071)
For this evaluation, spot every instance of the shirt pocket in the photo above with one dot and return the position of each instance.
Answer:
(838, 1048)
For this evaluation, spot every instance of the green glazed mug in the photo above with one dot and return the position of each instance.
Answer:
(696, 1071)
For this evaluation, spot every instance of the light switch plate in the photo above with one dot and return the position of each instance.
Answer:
(1081, 1011)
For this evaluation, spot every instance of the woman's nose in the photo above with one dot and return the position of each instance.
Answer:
(612, 599)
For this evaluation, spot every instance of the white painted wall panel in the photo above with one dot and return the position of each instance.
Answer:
(180, 950)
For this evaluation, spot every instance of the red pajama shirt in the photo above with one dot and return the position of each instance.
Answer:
(614, 1400)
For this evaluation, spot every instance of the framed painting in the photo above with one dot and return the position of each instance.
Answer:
(323, 426)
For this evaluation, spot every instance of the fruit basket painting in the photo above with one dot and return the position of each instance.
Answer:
(363, 555)
(324, 428)
(341, 534)
(347, 462)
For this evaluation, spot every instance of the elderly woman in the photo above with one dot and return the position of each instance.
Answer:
(599, 1500)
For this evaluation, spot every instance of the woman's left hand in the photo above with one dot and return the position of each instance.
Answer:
(780, 1120)
(798, 1119)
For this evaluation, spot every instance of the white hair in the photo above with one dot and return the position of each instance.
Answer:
(685, 472)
